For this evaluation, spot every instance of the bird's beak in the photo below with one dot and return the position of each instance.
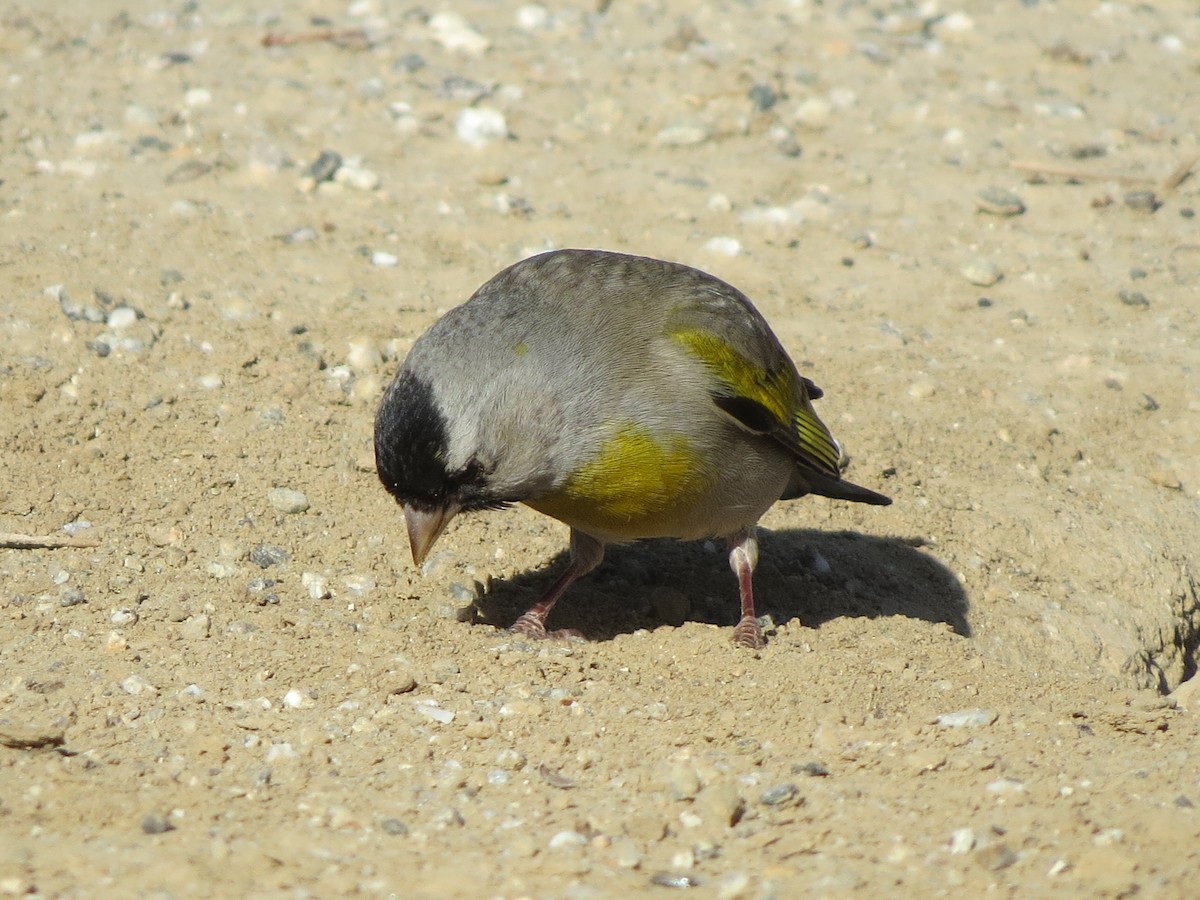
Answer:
(424, 528)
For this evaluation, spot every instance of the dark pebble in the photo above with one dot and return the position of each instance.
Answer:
(983, 302)
(266, 555)
(1143, 201)
(326, 166)
(811, 769)
(153, 824)
(1137, 273)
(72, 597)
(780, 795)
(1134, 298)
(763, 97)
(394, 826)
(409, 62)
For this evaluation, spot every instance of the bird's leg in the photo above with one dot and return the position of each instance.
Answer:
(586, 554)
(743, 557)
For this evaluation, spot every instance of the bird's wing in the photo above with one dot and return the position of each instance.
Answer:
(755, 383)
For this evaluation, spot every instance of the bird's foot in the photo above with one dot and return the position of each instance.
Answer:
(531, 626)
(749, 634)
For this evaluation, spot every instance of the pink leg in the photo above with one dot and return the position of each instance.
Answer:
(743, 557)
(586, 554)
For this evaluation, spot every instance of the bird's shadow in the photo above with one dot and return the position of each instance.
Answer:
(813, 575)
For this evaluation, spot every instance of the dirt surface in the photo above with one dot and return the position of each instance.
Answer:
(961, 220)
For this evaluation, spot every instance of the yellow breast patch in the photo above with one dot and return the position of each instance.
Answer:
(633, 481)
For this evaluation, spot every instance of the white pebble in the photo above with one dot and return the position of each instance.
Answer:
(533, 17)
(122, 317)
(315, 585)
(981, 272)
(967, 718)
(124, 617)
(919, 390)
(359, 179)
(430, 709)
(287, 500)
(725, 246)
(452, 32)
(481, 125)
(814, 112)
(359, 585)
(719, 203)
(210, 382)
(364, 356)
(385, 259)
(962, 840)
(279, 751)
(683, 135)
(296, 699)
(567, 839)
(198, 97)
(136, 684)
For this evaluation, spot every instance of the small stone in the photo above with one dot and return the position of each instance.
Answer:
(683, 782)
(567, 839)
(814, 113)
(967, 718)
(1136, 299)
(811, 769)
(511, 760)
(921, 390)
(479, 126)
(734, 886)
(384, 259)
(325, 167)
(287, 500)
(996, 857)
(431, 710)
(136, 684)
(686, 135)
(196, 628)
(962, 841)
(981, 272)
(298, 699)
(532, 17)
(122, 317)
(71, 596)
(720, 803)
(394, 827)
(480, 730)
(724, 246)
(156, 824)
(781, 795)
(763, 97)
(1142, 201)
(358, 178)
(315, 585)
(452, 32)
(399, 683)
(999, 202)
(123, 618)
(671, 605)
(266, 555)
(624, 853)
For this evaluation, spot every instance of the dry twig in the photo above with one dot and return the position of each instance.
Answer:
(11, 541)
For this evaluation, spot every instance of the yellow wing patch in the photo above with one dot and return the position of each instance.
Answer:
(797, 426)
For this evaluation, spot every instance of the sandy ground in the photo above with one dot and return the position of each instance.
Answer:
(962, 221)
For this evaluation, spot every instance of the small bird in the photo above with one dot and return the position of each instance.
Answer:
(626, 397)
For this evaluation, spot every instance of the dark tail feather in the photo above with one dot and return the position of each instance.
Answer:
(809, 482)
